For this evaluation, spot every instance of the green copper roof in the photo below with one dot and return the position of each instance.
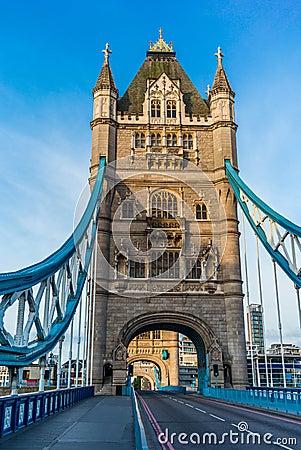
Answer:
(154, 65)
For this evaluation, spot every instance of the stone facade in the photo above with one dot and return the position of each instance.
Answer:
(168, 241)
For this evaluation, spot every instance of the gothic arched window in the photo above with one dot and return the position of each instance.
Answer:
(164, 205)
(187, 141)
(156, 108)
(171, 140)
(201, 212)
(171, 108)
(155, 139)
(139, 140)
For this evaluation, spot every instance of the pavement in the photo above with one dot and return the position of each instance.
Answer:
(97, 423)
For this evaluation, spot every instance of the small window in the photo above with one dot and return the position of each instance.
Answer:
(171, 109)
(156, 108)
(201, 211)
(171, 140)
(26, 374)
(137, 269)
(128, 209)
(145, 335)
(194, 269)
(139, 140)
(187, 141)
(157, 334)
(155, 139)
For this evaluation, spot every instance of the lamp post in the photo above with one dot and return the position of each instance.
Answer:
(51, 364)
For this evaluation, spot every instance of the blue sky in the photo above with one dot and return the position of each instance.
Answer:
(50, 57)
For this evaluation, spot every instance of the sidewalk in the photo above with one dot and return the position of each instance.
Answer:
(100, 422)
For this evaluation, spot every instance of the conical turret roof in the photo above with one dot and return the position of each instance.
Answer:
(221, 81)
(105, 79)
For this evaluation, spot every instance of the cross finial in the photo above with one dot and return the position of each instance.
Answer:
(160, 33)
(107, 52)
(219, 55)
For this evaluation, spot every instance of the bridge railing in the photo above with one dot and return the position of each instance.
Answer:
(279, 399)
(20, 411)
(139, 431)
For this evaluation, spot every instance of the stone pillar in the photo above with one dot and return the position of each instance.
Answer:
(172, 345)
(119, 365)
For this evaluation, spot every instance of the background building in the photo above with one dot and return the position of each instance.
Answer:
(269, 366)
(4, 376)
(255, 328)
(188, 361)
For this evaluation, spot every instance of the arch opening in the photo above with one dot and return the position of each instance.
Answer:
(194, 328)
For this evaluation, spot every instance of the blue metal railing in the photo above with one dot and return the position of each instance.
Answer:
(20, 411)
(279, 399)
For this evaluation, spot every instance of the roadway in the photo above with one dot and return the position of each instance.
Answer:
(188, 421)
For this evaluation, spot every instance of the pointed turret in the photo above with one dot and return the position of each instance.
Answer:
(221, 82)
(105, 79)
(221, 96)
(105, 92)
(104, 123)
(221, 100)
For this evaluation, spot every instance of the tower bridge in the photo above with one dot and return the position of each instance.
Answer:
(168, 227)
(157, 248)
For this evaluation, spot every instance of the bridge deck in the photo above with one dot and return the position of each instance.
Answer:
(98, 422)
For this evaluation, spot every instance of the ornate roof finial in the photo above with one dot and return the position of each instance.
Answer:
(160, 45)
(208, 91)
(219, 55)
(106, 53)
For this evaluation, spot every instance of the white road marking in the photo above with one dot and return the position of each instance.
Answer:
(187, 404)
(180, 401)
(201, 410)
(216, 417)
(283, 446)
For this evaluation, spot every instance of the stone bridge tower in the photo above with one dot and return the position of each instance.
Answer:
(168, 241)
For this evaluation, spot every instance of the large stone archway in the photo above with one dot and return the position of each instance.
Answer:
(208, 348)
(166, 319)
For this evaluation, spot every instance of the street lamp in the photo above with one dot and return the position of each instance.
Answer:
(51, 364)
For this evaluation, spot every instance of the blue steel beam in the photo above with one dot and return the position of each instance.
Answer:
(279, 236)
(64, 275)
